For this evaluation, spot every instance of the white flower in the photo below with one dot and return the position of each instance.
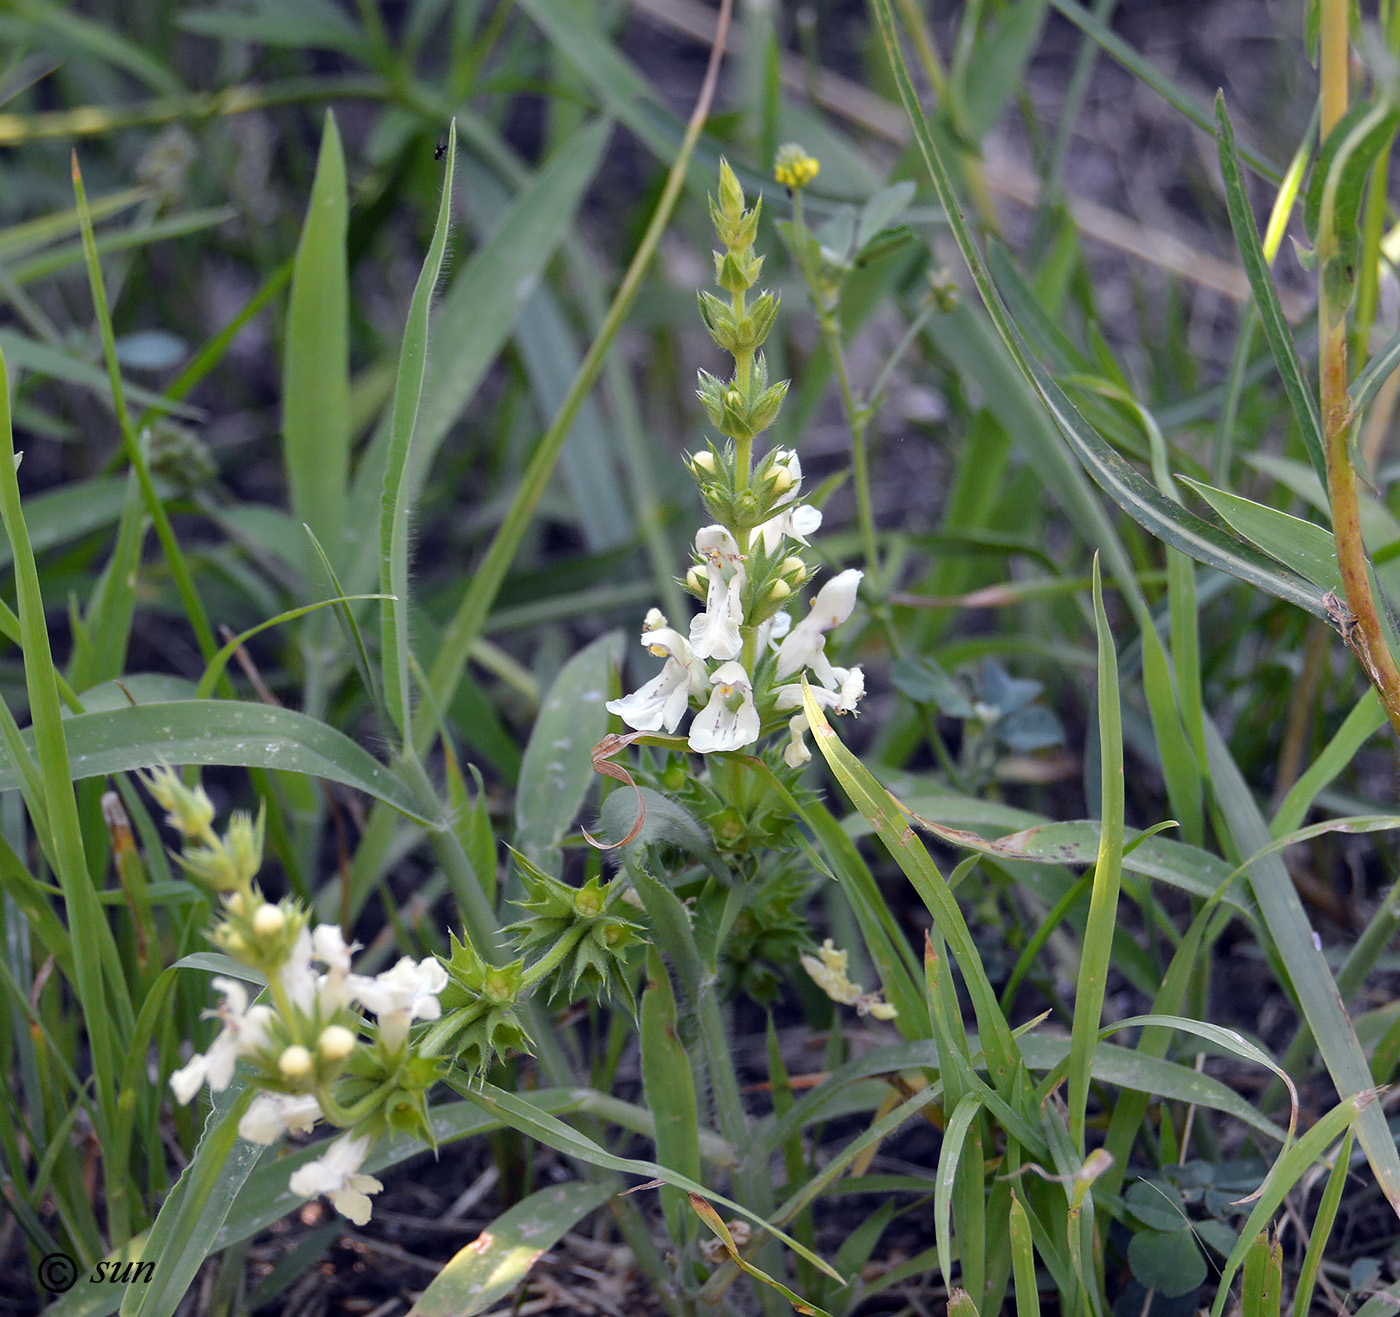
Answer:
(663, 701)
(334, 1174)
(401, 995)
(848, 689)
(730, 720)
(796, 523)
(244, 1031)
(271, 1115)
(805, 645)
(796, 753)
(298, 978)
(715, 632)
(329, 946)
(773, 630)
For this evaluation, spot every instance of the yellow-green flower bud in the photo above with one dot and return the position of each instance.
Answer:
(295, 1062)
(705, 460)
(335, 1044)
(731, 195)
(780, 589)
(794, 168)
(234, 903)
(793, 569)
(268, 921)
(780, 477)
(697, 580)
(588, 903)
(244, 844)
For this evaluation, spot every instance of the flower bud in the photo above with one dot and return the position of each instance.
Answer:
(779, 477)
(794, 569)
(705, 460)
(731, 195)
(335, 1043)
(780, 589)
(588, 903)
(295, 1062)
(269, 920)
(697, 580)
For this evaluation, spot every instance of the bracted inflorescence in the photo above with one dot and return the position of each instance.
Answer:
(739, 665)
(307, 1049)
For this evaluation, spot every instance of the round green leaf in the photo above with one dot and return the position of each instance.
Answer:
(1168, 1261)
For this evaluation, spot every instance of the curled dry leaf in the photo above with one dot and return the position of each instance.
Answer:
(602, 756)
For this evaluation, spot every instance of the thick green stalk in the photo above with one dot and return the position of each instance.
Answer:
(1362, 628)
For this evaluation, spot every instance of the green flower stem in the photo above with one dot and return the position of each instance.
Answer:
(1365, 634)
(554, 957)
(346, 1117)
(857, 414)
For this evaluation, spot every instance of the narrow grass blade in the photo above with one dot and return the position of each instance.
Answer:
(1299, 545)
(465, 626)
(1322, 1225)
(1285, 1174)
(494, 1263)
(316, 362)
(1361, 724)
(1261, 281)
(949, 1158)
(524, 1116)
(1023, 1260)
(1308, 974)
(885, 815)
(396, 507)
(190, 1218)
(1097, 950)
(86, 921)
(174, 557)
(219, 732)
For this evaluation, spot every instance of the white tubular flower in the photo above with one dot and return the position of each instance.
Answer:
(244, 1031)
(329, 946)
(773, 630)
(663, 701)
(805, 645)
(795, 754)
(401, 995)
(730, 720)
(272, 1115)
(298, 978)
(715, 632)
(335, 1174)
(796, 523)
(848, 688)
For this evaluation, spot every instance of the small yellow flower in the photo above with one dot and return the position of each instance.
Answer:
(827, 969)
(794, 168)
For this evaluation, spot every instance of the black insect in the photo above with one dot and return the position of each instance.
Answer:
(440, 151)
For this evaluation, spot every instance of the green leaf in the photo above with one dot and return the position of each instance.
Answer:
(222, 732)
(400, 494)
(557, 769)
(949, 1157)
(886, 816)
(1299, 545)
(1308, 974)
(1168, 1261)
(1096, 954)
(492, 1265)
(191, 1216)
(316, 365)
(1261, 281)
